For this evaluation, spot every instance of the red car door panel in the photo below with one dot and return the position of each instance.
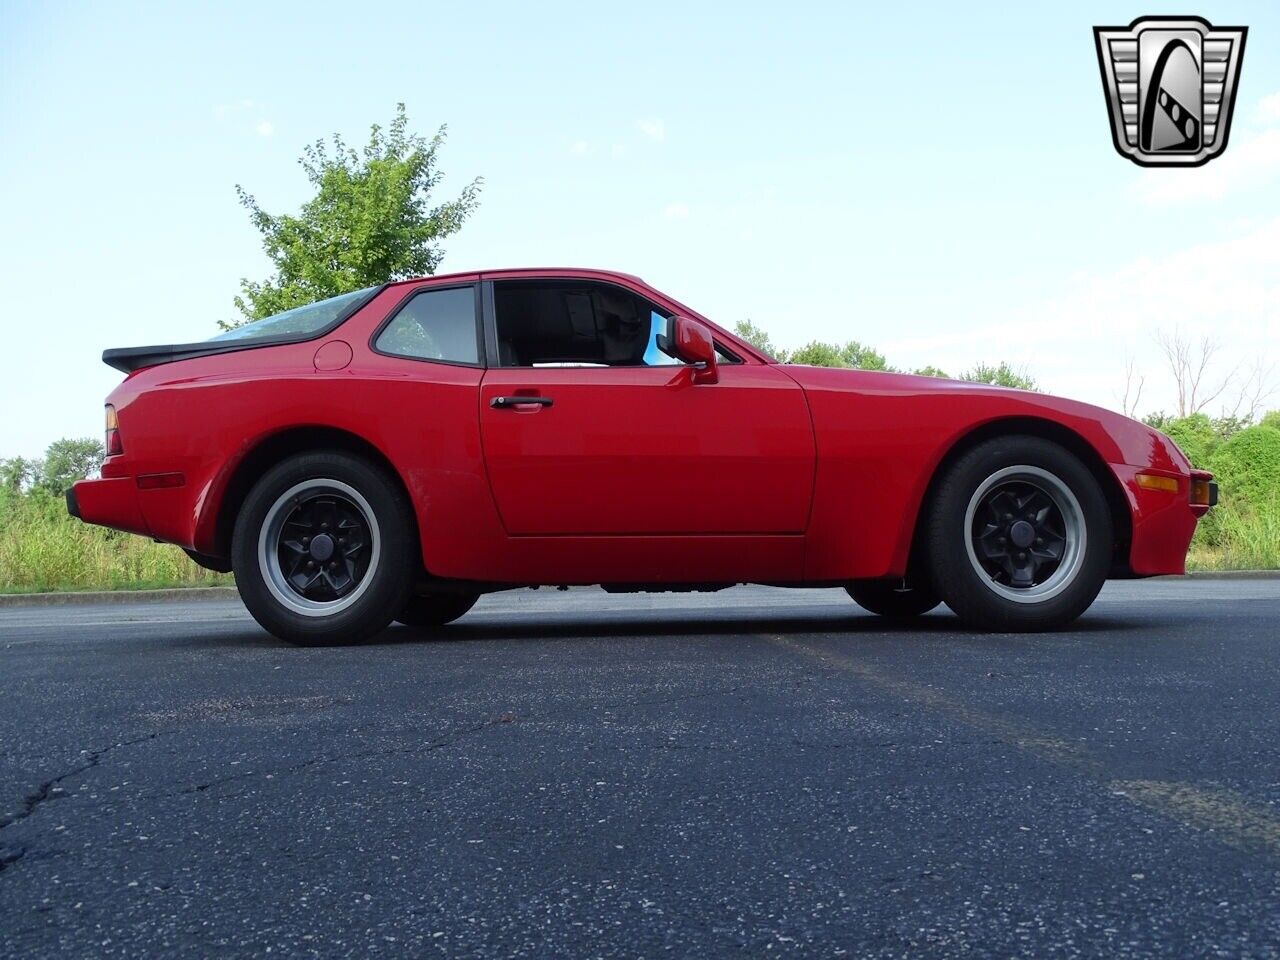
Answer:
(646, 451)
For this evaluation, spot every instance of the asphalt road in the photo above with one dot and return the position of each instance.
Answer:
(751, 773)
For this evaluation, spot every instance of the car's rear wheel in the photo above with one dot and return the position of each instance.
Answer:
(893, 598)
(1019, 535)
(324, 549)
(435, 609)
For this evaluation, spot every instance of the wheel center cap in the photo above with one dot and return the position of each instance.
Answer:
(1021, 533)
(322, 547)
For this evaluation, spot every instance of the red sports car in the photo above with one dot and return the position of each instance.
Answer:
(392, 454)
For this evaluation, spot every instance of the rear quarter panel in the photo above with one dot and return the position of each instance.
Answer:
(204, 416)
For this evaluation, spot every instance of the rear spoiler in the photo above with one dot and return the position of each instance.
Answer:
(129, 359)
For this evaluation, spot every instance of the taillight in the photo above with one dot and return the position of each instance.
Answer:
(113, 445)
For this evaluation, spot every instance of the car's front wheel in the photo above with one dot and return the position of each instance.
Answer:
(1019, 535)
(324, 549)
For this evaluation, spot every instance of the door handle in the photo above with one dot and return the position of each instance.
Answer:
(499, 403)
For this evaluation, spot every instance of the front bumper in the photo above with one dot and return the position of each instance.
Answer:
(1164, 521)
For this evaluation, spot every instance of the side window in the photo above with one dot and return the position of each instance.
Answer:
(434, 325)
(558, 323)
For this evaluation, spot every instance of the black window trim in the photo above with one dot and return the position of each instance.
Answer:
(490, 322)
(419, 291)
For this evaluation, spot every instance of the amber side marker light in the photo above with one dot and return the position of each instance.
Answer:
(1153, 481)
(113, 444)
(1204, 493)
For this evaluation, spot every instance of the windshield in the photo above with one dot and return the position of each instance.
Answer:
(300, 321)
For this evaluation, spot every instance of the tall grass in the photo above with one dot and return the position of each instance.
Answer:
(1238, 536)
(43, 549)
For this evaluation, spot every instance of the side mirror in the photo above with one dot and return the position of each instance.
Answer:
(691, 342)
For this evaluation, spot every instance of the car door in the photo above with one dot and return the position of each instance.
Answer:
(578, 443)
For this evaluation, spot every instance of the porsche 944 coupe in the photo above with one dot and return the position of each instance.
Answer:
(396, 452)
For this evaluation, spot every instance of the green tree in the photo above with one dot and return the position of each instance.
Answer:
(16, 474)
(65, 462)
(370, 221)
(1271, 419)
(815, 353)
(756, 336)
(1228, 425)
(932, 371)
(1000, 376)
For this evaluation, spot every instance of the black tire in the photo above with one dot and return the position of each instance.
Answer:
(986, 565)
(892, 599)
(372, 553)
(435, 609)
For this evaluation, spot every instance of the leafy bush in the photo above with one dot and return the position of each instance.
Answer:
(1247, 466)
(1194, 436)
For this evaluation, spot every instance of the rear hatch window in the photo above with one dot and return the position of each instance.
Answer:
(300, 322)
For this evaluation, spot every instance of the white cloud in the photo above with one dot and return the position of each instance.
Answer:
(1247, 163)
(618, 149)
(654, 129)
(676, 211)
(1075, 344)
(1269, 108)
(265, 128)
(579, 148)
(234, 106)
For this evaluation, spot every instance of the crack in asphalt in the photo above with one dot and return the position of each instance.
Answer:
(438, 744)
(47, 793)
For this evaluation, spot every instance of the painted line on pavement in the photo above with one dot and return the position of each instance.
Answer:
(1231, 818)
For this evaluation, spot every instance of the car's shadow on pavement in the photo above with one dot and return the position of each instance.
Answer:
(481, 627)
(932, 626)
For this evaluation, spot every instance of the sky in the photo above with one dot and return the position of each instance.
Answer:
(936, 180)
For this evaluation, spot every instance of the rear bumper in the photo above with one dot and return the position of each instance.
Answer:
(108, 502)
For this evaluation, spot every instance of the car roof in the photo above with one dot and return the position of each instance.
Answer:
(569, 272)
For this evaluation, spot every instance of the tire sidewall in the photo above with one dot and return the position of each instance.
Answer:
(392, 580)
(963, 588)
